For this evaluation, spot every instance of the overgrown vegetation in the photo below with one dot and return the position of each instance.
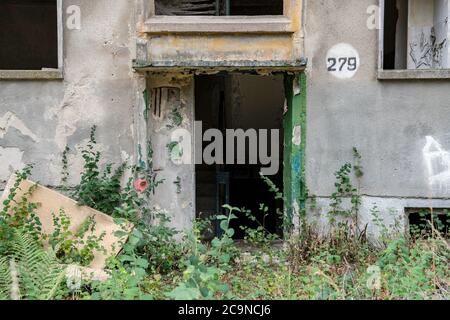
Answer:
(340, 264)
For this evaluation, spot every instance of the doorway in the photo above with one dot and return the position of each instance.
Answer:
(229, 101)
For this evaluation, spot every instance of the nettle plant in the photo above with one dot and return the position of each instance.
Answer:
(259, 237)
(207, 264)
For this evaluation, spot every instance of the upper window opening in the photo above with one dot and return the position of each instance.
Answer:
(416, 34)
(28, 34)
(219, 7)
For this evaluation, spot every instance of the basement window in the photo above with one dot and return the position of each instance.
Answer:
(421, 219)
(218, 7)
(415, 35)
(29, 35)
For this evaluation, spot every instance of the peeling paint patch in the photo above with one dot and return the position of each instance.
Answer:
(296, 163)
(296, 87)
(10, 120)
(72, 110)
(296, 217)
(297, 136)
(11, 160)
(147, 104)
(125, 156)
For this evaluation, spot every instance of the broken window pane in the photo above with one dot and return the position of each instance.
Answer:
(219, 7)
(427, 34)
(28, 34)
(416, 34)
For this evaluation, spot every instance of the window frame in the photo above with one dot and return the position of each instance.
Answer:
(403, 74)
(157, 24)
(48, 74)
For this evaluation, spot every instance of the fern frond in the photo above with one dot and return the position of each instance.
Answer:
(40, 273)
(5, 279)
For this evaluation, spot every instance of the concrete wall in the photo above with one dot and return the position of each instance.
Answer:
(390, 122)
(39, 118)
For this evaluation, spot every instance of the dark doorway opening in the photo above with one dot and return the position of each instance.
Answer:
(240, 101)
(28, 34)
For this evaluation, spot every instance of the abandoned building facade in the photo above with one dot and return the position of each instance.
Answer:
(162, 79)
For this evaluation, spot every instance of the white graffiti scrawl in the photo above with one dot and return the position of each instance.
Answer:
(437, 160)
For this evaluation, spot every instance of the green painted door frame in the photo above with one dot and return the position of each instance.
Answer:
(294, 152)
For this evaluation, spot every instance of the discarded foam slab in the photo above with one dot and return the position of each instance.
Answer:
(51, 202)
(74, 273)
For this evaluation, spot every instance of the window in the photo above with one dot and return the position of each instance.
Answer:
(421, 220)
(29, 34)
(219, 7)
(415, 35)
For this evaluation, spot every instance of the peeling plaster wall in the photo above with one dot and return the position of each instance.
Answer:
(390, 122)
(39, 118)
(176, 195)
(221, 48)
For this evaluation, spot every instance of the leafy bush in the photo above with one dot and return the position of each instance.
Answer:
(98, 189)
(74, 247)
(102, 190)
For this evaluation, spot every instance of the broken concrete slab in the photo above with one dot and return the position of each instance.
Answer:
(51, 202)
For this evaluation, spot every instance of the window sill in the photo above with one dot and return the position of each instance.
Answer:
(414, 74)
(233, 24)
(53, 74)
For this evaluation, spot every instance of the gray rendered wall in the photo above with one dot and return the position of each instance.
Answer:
(396, 125)
(39, 118)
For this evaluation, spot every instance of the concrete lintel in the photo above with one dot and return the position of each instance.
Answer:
(235, 25)
(31, 74)
(180, 66)
(442, 74)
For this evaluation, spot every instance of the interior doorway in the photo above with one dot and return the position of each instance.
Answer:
(240, 101)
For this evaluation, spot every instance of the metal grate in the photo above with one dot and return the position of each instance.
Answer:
(219, 7)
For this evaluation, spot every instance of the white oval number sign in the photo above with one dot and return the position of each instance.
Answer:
(343, 61)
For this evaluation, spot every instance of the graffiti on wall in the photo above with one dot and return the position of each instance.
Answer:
(426, 51)
(437, 161)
